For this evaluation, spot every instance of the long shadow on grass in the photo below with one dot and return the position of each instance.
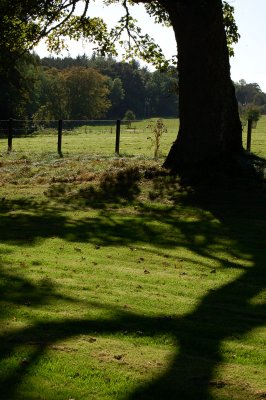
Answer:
(226, 312)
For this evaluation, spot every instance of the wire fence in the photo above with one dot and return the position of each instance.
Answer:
(104, 137)
(27, 128)
(94, 137)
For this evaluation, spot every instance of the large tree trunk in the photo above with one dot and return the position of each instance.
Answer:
(210, 129)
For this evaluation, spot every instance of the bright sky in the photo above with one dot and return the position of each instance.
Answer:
(249, 62)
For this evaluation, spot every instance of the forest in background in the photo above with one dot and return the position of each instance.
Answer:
(97, 88)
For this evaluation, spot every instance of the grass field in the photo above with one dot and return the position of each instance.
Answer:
(119, 283)
(99, 139)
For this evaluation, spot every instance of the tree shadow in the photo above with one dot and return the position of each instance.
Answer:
(119, 187)
(225, 312)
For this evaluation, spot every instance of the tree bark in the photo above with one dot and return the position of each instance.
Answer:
(210, 128)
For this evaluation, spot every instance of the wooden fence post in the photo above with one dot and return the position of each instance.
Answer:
(59, 139)
(10, 135)
(117, 138)
(249, 132)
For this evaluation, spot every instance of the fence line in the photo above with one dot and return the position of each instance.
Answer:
(13, 128)
(8, 125)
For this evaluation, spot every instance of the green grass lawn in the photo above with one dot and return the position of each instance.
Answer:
(118, 283)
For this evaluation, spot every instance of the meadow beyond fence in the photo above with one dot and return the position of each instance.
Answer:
(95, 138)
(102, 138)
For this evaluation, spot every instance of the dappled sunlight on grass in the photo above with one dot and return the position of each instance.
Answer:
(128, 285)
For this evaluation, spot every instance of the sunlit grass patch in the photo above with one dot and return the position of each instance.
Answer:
(116, 285)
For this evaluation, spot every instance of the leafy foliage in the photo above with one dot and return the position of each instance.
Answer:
(250, 96)
(158, 129)
(18, 86)
(129, 117)
(73, 93)
(250, 111)
(231, 29)
(87, 93)
(24, 24)
(131, 86)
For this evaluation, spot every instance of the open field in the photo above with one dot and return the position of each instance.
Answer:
(119, 283)
(98, 139)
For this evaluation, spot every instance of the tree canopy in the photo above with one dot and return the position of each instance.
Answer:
(24, 24)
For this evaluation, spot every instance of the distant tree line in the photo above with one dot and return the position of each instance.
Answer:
(85, 88)
(251, 99)
(96, 88)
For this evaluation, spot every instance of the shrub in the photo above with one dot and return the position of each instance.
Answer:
(129, 117)
(157, 129)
